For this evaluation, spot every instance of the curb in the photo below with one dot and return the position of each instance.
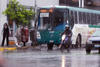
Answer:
(8, 48)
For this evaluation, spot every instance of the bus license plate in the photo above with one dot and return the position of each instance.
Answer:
(51, 41)
(97, 45)
(44, 14)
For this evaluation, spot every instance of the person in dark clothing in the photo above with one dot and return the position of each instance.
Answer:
(68, 34)
(5, 34)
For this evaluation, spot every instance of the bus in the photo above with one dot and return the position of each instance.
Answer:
(86, 22)
(52, 20)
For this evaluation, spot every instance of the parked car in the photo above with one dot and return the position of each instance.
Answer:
(93, 42)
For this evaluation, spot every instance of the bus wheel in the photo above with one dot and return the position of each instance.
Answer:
(88, 51)
(99, 50)
(88, 48)
(50, 46)
(57, 45)
(78, 41)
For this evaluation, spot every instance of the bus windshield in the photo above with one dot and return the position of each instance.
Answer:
(60, 16)
(44, 20)
(52, 20)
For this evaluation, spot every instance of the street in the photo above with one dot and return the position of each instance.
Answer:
(55, 58)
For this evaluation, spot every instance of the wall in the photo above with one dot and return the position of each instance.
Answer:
(3, 5)
(26, 2)
(47, 2)
(39, 2)
(96, 2)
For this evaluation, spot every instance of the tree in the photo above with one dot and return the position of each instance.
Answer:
(18, 13)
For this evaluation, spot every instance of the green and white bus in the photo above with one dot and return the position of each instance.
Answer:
(52, 20)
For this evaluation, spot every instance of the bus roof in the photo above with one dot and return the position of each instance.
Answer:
(75, 9)
(84, 10)
(53, 7)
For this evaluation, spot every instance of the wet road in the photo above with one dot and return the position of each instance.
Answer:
(44, 58)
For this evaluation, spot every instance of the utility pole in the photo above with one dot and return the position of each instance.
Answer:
(35, 6)
(81, 3)
(35, 10)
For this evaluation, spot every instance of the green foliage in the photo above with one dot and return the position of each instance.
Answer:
(19, 13)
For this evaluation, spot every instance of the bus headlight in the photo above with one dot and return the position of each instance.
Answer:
(38, 35)
(63, 37)
(89, 42)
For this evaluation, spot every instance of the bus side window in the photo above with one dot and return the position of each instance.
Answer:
(84, 18)
(80, 17)
(71, 20)
(86, 14)
(98, 19)
(72, 16)
(75, 16)
(93, 19)
(89, 18)
(58, 19)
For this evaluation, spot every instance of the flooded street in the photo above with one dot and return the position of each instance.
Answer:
(44, 58)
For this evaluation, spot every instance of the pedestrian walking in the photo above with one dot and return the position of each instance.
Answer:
(5, 34)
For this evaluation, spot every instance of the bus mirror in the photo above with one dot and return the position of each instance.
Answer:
(51, 10)
(67, 21)
(49, 28)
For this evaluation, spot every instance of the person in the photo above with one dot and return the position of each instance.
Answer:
(68, 33)
(5, 34)
(24, 35)
(18, 34)
(33, 36)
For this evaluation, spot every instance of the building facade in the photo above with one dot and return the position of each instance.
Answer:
(75, 2)
(95, 2)
(3, 18)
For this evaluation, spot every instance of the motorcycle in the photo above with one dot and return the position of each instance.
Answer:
(65, 43)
